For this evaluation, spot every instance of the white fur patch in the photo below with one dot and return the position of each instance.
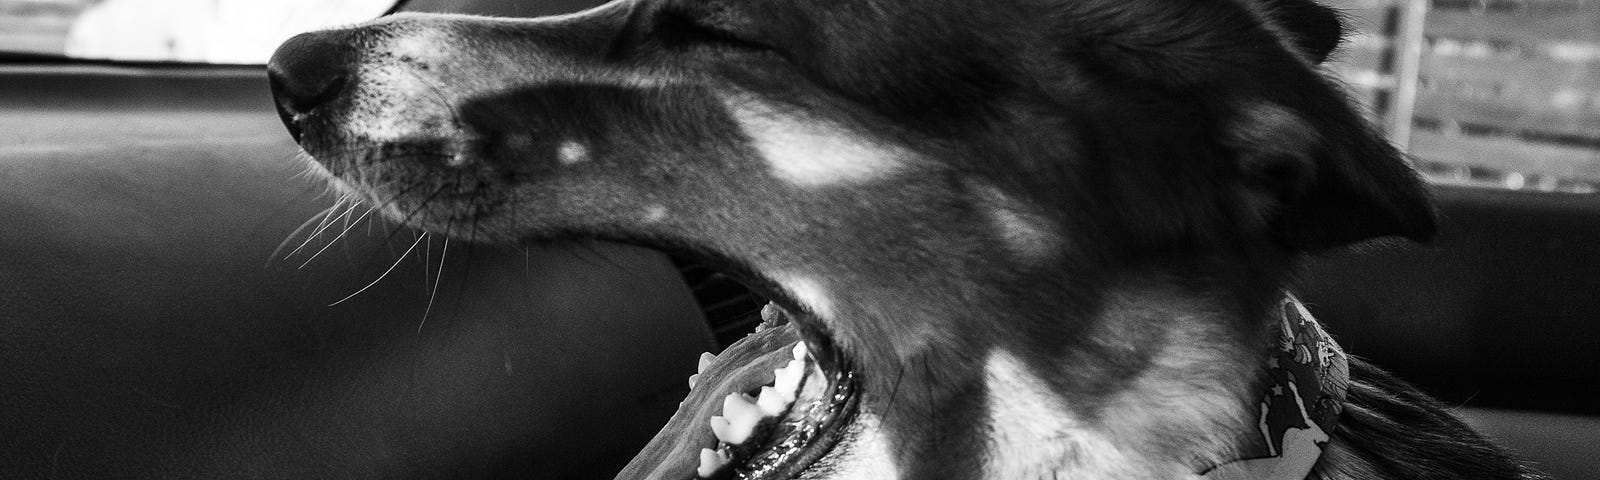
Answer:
(869, 457)
(810, 292)
(411, 47)
(393, 80)
(1033, 435)
(571, 152)
(810, 152)
(1024, 235)
(655, 213)
(416, 44)
(1027, 235)
(1189, 406)
(371, 115)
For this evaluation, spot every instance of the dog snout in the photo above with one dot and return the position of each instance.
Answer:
(309, 71)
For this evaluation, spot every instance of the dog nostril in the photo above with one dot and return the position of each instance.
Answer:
(304, 96)
(310, 71)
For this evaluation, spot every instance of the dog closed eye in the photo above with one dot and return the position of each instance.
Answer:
(1018, 239)
(706, 27)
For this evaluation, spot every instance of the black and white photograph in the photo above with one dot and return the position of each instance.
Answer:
(800, 239)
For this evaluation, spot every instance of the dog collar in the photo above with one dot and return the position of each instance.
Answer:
(1307, 377)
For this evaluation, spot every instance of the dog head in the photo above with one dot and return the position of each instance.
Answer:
(948, 201)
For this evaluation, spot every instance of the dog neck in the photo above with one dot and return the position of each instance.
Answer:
(1203, 408)
(1308, 378)
(1207, 404)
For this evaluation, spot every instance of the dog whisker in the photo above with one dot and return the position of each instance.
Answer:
(592, 255)
(346, 204)
(437, 276)
(473, 204)
(398, 226)
(385, 272)
(348, 226)
(327, 221)
(315, 218)
(427, 263)
(412, 214)
(894, 393)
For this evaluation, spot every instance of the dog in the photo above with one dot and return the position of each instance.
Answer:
(1012, 239)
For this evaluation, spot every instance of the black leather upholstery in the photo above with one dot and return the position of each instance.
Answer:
(146, 330)
(1501, 310)
(1498, 316)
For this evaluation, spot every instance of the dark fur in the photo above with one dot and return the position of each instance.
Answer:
(1190, 146)
(1390, 429)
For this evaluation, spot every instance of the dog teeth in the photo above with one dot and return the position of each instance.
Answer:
(711, 461)
(743, 415)
(786, 380)
(772, 402)
(705, 361)
(771, 313)
(740, 415)
(722, 429)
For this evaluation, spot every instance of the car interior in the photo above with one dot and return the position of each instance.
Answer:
(178, 299)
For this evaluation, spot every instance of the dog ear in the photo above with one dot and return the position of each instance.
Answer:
(1321, 177)
(1315, 29)
(1318, 183)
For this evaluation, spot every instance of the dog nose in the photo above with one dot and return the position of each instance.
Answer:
(307, 72)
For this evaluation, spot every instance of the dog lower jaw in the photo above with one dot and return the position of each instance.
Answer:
(761, 438)
(809, 436)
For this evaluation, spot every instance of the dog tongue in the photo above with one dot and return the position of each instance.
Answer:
(745, 366)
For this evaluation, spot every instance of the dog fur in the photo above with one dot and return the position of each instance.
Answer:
(1045, 234)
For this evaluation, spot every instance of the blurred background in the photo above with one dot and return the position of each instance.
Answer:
(124, 154)
(201, 31)
(1498, 93)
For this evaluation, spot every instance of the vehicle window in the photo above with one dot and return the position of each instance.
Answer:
(198, 31)
(1500, 93)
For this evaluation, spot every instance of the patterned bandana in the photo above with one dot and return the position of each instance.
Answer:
(1309, 375)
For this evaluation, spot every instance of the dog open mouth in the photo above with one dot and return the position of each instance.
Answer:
(784, 404)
